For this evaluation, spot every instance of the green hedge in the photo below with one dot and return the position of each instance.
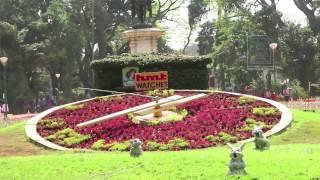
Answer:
(185, 72)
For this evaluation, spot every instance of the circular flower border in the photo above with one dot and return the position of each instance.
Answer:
(31, 125)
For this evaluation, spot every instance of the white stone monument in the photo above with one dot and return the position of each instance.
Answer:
(143, 41)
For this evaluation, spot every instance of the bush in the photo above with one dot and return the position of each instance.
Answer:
(74, 107)
(227, 138)
(68, 137)
(212, 138)
(124, 146)
(263, 111)
(178, 144)
(51, 123)
(244, 100)
(99, 145)
(297, 91)
(250, 125)
(185, 72)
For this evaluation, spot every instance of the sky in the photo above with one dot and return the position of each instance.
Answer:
(177, 30)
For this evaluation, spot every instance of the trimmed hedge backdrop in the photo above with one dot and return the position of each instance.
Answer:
(185, 72)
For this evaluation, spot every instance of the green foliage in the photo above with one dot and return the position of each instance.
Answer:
(178, 143)
(297, 91)
(52, 123)
(265, 111)
(206, 38)
(124, 146)
(251, 124)
(227, 138)
(174, 144)
(185, 72)
(111, 98)
(299, 51)
(8, 35)
(212, 138)
(259, 85)
(74, 107)
(244, 100)
(68, 137)
(99, 145)
(161, 93)
(154, 146)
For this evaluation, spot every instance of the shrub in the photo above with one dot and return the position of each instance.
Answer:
(52, 123)
(227, 138)
(68, 137)
(250, 124)
(212, 138)
(264, 111)
(124, 146)
(74, 107)
(297, 91)
(99, 145)
(244, 100)
(185, 72)
(153, 145)
(178, 143)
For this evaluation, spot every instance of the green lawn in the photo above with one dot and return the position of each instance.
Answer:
(289, 158)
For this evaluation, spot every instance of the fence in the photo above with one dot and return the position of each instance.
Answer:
(305, 104)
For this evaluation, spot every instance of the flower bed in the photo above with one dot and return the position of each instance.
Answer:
(217, 119)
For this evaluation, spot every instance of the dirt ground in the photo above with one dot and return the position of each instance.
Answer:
(13, 142)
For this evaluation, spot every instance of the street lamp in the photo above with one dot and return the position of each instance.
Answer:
(58, 75)
(274, 46)
(4, 61)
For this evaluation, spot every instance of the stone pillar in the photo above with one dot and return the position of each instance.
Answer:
(143, 41)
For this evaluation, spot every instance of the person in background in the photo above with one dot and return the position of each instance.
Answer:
(273, 96)
(286, 94)
(5, 110)
(1, 107)
(267, 94)
(249, 89)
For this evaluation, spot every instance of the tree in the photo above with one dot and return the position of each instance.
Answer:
(311, 9)
(299, 49)
(196, 9)
(206, 38)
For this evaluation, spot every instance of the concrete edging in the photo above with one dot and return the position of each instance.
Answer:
(31, 125)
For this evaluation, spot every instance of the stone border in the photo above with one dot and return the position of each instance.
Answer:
(31, 125)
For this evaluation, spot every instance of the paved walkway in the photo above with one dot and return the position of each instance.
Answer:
(15, 118)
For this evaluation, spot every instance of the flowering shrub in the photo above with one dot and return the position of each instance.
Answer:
(215, 119)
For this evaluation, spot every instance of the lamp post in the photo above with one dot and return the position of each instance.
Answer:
(4, 61)
(58, 75)
(274, 46)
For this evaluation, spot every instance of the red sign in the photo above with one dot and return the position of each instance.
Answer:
(151, 80)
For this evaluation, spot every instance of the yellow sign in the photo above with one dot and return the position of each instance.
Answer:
(151, 80)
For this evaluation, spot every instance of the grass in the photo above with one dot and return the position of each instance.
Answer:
(294, 154)
(305, 129)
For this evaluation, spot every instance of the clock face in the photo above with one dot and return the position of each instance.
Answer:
(178, 120)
